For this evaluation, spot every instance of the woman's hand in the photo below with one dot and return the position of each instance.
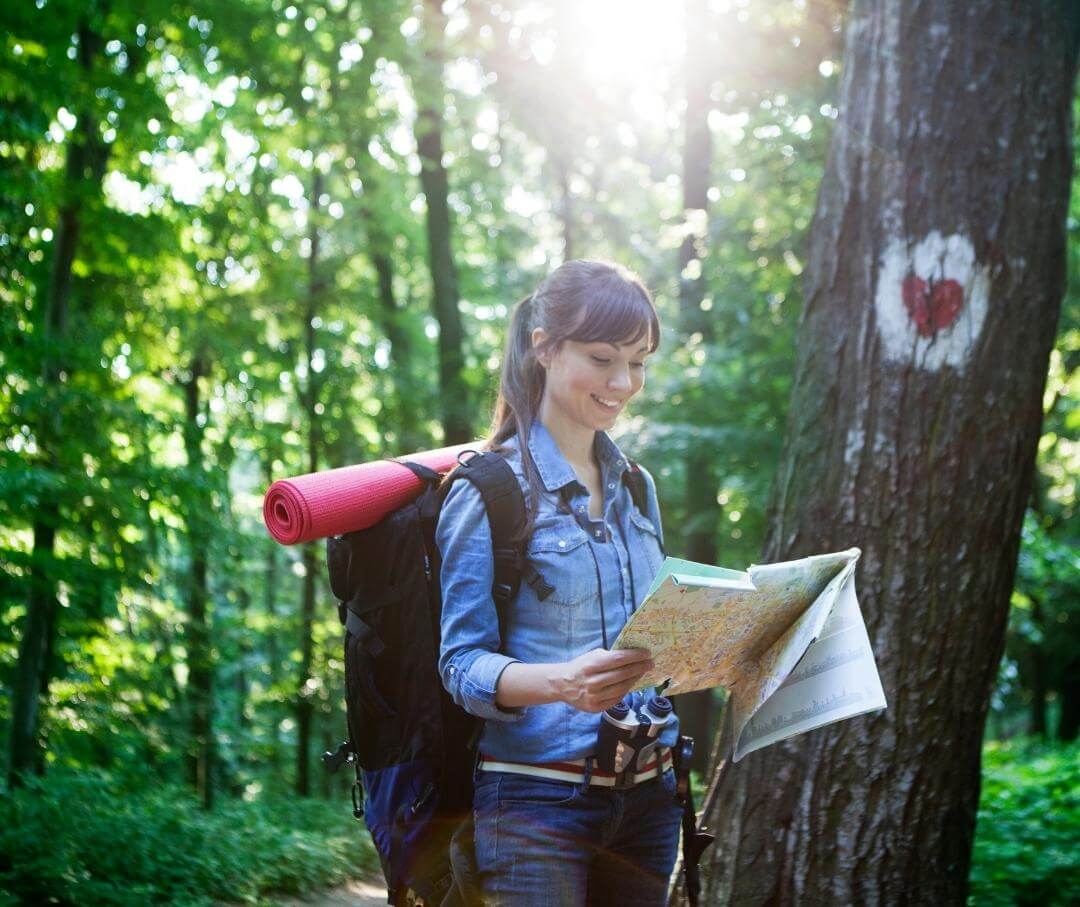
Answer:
(598, 679)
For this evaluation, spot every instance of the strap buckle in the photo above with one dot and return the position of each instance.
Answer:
(507, 563)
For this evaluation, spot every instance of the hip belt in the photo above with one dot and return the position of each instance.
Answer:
(573, 770)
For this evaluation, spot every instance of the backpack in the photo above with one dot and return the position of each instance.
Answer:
(411, 746)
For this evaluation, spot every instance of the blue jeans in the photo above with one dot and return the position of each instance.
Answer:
(546, 842)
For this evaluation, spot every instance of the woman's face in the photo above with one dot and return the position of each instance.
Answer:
(589, 384)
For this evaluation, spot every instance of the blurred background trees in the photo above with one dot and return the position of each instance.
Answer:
(249, 239)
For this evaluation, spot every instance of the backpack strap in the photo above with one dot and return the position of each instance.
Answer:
(505, 505)
(694, 841)
(634, 479)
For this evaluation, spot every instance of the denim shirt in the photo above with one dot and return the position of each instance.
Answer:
(601, 570)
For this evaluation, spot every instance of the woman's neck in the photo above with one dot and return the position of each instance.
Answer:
(574, 440)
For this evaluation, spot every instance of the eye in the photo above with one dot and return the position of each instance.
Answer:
(638, 364)
(601, 361)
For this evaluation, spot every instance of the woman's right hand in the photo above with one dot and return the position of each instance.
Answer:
(598, 679)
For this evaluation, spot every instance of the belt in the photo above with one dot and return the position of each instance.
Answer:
(573, 770)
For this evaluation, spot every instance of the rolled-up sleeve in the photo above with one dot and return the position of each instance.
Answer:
(470, 663)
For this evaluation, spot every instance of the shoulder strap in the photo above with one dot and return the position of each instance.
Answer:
(505, 505)
(634, 479)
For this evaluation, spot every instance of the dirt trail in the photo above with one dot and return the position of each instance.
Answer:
(356, 893)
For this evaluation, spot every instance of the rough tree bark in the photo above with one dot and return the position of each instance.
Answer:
(83, 171)
(454, 392)
(933, 288)
(702, 509)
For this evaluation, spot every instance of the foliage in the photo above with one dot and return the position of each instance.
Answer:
(1028, 826)
(90, 838)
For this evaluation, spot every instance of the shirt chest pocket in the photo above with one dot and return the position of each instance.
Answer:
(563, 558)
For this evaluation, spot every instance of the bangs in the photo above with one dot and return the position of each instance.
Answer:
(619, 312)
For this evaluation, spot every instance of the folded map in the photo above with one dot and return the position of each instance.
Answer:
(786, 640)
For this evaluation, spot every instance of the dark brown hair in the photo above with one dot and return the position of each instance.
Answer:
(585, 301)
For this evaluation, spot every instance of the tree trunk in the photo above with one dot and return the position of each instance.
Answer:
(244, 651)
(83, 171)
(454, 392)
(309, 402)
(702, 509)
(200, 657)
(566, 208)
(1069, 694)
(1036, 657)
(407, 415)
(933, 287)
(273, 655)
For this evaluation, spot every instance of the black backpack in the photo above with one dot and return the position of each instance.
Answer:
(411, 746)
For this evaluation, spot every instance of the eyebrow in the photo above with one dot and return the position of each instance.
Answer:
(615, 347)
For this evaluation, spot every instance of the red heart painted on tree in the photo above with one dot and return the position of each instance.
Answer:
(932, 307)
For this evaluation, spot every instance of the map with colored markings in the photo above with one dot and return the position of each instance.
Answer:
(786, 640)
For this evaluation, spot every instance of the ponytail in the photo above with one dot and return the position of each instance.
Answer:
(521, 388)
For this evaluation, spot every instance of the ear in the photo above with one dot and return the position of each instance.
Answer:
(539, 335)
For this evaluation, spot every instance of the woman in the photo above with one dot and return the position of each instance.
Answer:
(551, 827)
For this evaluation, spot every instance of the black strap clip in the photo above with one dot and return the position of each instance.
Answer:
(358, 798)
(540, 586)
(506, 565)
(343, 755)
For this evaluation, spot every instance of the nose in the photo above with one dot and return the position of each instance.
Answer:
(620, 381)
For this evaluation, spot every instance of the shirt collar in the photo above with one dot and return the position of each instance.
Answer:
(555, 470)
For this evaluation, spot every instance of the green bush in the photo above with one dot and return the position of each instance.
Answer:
(89, 839)
(1027, 842)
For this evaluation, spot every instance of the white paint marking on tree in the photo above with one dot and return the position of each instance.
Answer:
(931, 301)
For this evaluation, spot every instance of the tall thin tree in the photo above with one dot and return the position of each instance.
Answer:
(702, 509)
(309, 400)
(199, 518)
(86, 157)
(435, 181)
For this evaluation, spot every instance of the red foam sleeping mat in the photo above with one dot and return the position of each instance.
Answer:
(321, 504)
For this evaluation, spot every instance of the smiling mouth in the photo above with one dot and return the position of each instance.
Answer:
(610, 406)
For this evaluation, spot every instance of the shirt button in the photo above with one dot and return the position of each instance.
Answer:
(610, 484)
(452, 670)
(599, 534)
(562, 544)
(581, 509)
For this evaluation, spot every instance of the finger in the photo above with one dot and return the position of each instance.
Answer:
(630, 655)
(602, 704)
(627, 674)
(605, 660)
(618, 688)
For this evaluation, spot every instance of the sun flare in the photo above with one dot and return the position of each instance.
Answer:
(626, 37)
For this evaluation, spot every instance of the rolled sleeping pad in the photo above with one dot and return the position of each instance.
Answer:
(321, 504)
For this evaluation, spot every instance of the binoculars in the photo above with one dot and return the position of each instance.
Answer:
(628, 735)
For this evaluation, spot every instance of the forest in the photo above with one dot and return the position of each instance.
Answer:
(252, 239)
